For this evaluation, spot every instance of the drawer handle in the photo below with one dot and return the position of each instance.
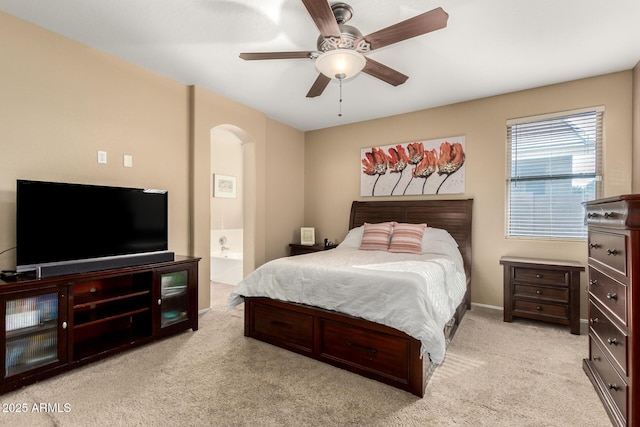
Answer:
(281, 324)
(593, 282)
(597, 358)
(539, 308)
(592, 215)
(612, 341)
(612, 252)
(612, 295)
(594, 320)
(609, 214)
(539, 276)
(539, 292)
(362, 348)
(594, 245)
(613, 387)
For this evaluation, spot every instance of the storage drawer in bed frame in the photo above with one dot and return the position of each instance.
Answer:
(368, 349)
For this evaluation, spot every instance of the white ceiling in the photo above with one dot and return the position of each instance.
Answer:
(489, 47)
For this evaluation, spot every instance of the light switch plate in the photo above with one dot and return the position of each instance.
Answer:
(102, 157)
(128, 161)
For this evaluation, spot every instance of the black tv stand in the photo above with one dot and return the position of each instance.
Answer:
(50, 325)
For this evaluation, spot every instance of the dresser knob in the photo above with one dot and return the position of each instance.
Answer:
(593, 282)
(538, 308)
(596, 358)
(612, 252)
(612, 295)
(594, 245)
(539, 292)
(594, 320)
(609, 214)
(613, 387)
(612, 341)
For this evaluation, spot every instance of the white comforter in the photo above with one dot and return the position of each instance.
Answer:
(416, 294)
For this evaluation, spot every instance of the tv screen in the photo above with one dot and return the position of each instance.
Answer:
(59, 222)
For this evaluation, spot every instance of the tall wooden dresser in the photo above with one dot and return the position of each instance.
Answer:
(613, 365)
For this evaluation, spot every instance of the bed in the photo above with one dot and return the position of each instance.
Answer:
(303, 303)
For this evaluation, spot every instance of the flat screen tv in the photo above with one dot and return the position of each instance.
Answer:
(68, 228)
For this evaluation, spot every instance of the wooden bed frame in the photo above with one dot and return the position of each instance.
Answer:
(363, 347)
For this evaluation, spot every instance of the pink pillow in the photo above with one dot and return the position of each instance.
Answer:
(376, 236)
(407, 238)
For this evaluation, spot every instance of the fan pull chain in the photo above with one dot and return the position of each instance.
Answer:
(340, 103)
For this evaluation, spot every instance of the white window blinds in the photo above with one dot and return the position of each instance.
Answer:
(554, 163)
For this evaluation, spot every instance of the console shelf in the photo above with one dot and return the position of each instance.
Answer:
(51, 325)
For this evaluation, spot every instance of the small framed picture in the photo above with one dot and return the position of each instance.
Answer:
(308, 236)
(224, 186)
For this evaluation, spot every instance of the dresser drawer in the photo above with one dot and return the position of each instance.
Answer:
(611, 293)
(610, 336)
(364, 349)
(537, 275)
(282, 327)
(541, 293)
(613, 214)
(615, 386)
(540, 310)
(609, 249)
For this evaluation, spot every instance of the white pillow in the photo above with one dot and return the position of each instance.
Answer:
(353, 238)
(434, 239)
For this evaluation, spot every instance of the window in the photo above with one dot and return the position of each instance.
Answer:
(554, 163)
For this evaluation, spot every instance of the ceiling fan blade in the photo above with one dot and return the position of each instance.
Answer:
(424, 23)
(384, 73)
(318, 86)
(275, 55)
(323, 16)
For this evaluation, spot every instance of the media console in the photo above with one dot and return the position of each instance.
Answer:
(50, 325)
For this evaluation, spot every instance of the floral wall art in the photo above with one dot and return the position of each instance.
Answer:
(423, 167)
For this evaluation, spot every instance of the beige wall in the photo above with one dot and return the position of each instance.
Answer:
(61, 102)
(331, 185)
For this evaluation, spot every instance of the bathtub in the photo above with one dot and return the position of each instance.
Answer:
(226, 267)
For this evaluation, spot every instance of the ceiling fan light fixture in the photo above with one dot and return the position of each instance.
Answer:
(340, 64)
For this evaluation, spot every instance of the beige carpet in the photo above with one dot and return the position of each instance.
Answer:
(495, 374)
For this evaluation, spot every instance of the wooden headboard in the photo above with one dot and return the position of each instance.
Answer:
(451, 215)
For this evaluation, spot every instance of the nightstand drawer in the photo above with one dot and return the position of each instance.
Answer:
(541, 310)
(536, 275)
(610, 336)
(614, 385)
(542, 293)
(609, 249)
(611, 293)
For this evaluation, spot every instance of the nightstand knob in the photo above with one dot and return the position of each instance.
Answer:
(596, 358)
(612, 341)
(612, 252)
(594, 320)
(613, 387)
(539, 276)
(609, 214)
(538, 308)
(539, 292)
(593, 282)
(612, 295)
(594, 245)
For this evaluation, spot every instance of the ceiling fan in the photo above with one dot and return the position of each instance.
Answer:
(341, 47)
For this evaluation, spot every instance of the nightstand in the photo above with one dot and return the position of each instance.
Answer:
(542, 289)
(298, 249)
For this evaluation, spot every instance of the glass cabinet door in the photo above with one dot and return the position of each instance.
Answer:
(174, 306)
(31, 332)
